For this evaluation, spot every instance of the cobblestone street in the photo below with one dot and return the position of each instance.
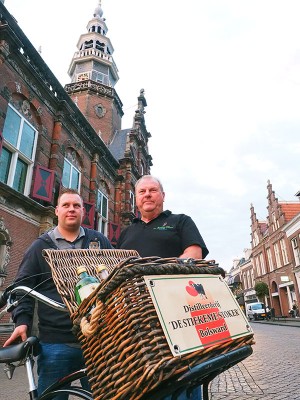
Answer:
(271, 372)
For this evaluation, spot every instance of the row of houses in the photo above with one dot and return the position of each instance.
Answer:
(274, 257)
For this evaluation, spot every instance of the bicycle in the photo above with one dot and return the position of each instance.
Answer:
(23, 354)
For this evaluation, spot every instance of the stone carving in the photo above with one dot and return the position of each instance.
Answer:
(25, 107)
(18, 87)
(5, 245)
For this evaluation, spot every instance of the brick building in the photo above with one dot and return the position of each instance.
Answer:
(272, 256)
(54, 137)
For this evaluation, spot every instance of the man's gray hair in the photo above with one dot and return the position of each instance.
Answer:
(150, 177)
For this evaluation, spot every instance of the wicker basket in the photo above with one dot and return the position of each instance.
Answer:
(124, 345)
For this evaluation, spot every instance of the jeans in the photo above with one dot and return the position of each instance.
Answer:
(56, 361)
(195, 395)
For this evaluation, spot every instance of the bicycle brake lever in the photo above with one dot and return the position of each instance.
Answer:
(12, 305)
(9, 370)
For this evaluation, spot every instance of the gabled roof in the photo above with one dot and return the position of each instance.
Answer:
(290, 210)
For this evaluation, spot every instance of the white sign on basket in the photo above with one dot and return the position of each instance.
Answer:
(196, 311)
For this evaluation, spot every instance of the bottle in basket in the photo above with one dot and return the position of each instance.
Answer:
(102, 271)
(86, 284)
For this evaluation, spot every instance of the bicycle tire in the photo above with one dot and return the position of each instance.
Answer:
(74, 392)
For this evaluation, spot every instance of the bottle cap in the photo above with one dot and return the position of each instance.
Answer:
(80, 269)
(101, 267)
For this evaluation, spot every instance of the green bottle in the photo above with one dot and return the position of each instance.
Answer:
(86, 284)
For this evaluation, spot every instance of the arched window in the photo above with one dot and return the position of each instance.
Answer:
(88, 44)
(100, 46)
(72, 170)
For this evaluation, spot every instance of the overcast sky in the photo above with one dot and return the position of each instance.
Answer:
(222, 83)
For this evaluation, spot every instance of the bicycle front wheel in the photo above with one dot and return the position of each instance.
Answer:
(73, 393)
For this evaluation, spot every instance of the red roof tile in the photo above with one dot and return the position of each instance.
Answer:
(290, 210)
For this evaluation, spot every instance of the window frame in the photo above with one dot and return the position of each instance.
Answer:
(284, 253)
(17, 154)
(262, 263)
(277, 255)
(270, 259)
(73, 167)
(132, 201)
(102, 219)
(296, 250)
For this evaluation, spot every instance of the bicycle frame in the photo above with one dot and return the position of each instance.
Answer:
(23, 354)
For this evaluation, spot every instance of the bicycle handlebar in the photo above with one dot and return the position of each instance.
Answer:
(6, 299)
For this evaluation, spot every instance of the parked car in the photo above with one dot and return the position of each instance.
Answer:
(256, 311)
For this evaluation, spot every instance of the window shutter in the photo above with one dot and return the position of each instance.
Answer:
(1, 142)
(113, 233)
(43, 184)
(89, 215)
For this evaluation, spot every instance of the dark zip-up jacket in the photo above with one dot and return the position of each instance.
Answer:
(34, 271)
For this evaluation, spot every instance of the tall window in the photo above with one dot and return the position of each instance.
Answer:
(277, 255)
(244, 280)
(262, 264)
(257, 265)
(102, 210)
(132, 202)
(71, 175)
(18, 152)
(296, 250)
(255, 239)
(275, 222)
(270, 260)
(249, 283)
(284, 252)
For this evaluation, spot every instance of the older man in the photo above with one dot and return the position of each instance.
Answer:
(160, 233)
(163, 234)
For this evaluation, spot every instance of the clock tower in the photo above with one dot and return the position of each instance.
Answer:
(94, 74)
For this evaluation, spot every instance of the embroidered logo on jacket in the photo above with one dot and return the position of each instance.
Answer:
(163, 228)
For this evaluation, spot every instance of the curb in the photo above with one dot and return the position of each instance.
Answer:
(287, 323)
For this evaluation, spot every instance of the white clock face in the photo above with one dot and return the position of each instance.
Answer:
(82, 77)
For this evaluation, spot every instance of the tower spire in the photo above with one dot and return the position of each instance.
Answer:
(94, 74)
(93, 60)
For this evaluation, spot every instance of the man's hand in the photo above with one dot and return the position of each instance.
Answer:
(19, 332)
(193, 251)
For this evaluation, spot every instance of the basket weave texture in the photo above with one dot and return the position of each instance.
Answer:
(63, 264)
(124, 346)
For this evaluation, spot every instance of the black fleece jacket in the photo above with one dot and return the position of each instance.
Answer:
(34, 271)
